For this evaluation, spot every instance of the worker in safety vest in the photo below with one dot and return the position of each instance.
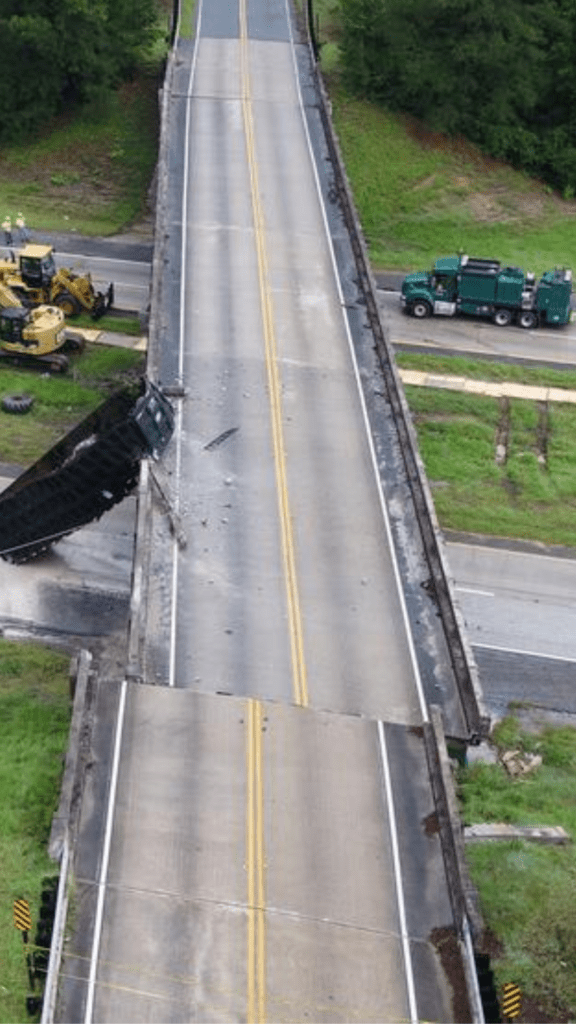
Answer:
(7, 229)
(22, 229)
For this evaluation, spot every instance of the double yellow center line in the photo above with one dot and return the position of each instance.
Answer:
(255, 852)
(299, 681)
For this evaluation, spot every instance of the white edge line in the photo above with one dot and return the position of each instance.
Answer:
(491, 551)
(474, 590)
(525, 654)
(392, 549)
(389, 801)
(63, 256)
(179, 415)
(105, 857)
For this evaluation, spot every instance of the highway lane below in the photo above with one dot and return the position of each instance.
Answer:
(520, 612)
(476, 336)
(128, 265)
(80, 589)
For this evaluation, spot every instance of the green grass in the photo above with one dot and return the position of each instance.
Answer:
(116, 324)
(35, 716)
(472, 494)
(526, 890)
(487, 369)
(457, 440)
(87, 172)
(60, 401)
(187, 9)
(420, 196)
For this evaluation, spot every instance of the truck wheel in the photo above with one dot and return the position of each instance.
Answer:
(527, 319)
(17, 403)
(502, 317)
(421, 309)
(67, 303)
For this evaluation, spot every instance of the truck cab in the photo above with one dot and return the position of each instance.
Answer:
(553, 296)
(37, 266)
(481, 287)
(434, 292)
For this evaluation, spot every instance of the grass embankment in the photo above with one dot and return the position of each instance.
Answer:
(527, 890)
(122, 324)
(35, 715)
(87, 172)
(421, 195)
(60, 401)
(532, 495)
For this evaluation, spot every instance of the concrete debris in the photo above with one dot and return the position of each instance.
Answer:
(553, 834)
(517, 763)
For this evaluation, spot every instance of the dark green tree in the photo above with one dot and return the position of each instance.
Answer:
(500, 72)
(59, 51)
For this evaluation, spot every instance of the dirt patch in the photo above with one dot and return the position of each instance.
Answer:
(502, 438)
(532, 1013)
(431, 824)
(452, 145)
(543, 434)
(76, 171)
(498, 201)
(446, 945)
(490, 945)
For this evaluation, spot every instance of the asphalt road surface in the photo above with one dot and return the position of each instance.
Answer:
(520, 610)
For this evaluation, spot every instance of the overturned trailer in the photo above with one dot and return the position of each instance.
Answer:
(91, 469)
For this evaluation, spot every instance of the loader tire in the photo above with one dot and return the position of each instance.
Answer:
(67, 303)
(18, 404)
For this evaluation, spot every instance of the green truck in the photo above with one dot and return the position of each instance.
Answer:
(479, 287)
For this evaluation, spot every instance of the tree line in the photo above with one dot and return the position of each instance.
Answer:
(55, 52)
(500, 72)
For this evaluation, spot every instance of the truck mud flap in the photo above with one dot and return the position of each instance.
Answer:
(91, 469)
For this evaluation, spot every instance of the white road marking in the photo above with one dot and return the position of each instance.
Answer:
(524, 653)
(473, 590)
(367, 427)
(389, 800)
(105, 858)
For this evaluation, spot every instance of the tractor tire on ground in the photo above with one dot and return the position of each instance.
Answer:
(57, 363)
(75, 343)
(18, 404)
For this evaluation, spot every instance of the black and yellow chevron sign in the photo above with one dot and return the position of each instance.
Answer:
(22, 916)
(511, 1001)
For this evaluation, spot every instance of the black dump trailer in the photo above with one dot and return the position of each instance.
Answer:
(91, 469)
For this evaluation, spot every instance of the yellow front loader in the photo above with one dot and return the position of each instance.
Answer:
(36, 280)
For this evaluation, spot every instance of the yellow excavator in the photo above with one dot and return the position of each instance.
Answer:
(34, 336)
(36, 280)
